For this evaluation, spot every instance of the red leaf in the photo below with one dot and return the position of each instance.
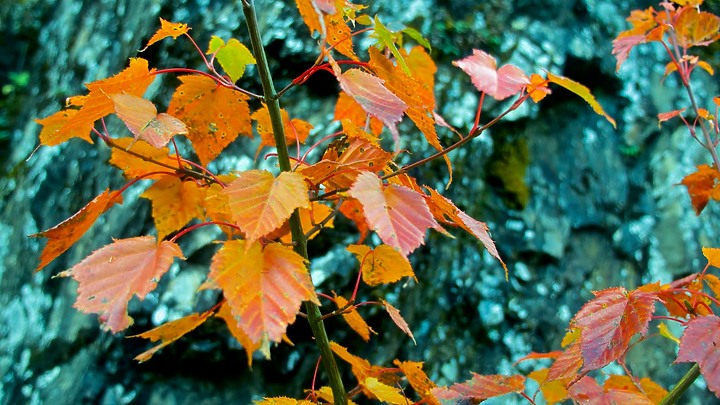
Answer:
(609, 321)
(482, 387)
(111, 275)
(398, 214)
(587, 391)
(398, 319)
(63, 235)
(703, 185)
(567, 364)
(699, 343)
(378, 101)
(498, 83)
(144, 122)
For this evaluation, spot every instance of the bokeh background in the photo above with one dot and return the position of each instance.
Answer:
(573, 204)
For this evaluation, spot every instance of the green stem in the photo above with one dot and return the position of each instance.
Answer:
(273, 105)
(682, 386)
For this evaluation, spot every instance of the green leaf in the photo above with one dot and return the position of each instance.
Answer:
(417, 36)
(386, 39)
(233, 56)
(581, 91)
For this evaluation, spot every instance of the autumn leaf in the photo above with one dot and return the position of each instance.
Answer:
(384, 393)
(225, 313)
(133, 80)
(662, 117)
(142, 119)
(233, 56)
(567, 364)
(398, 214)
(63, 235)
(260, 203)
(111, 275)
(362, 368)
(309, 219)
(623, 44)
(175, 203)
(552, 391)
(440, 207)
(375, 99)
(581, 91)
(699, 344)
(170, 332)
(353, 318)
(398, 319)
(282, 401)
(167, 29)
(49, 135)
(137, 159)
(538, 87)
(214, 115)
(609, 321)
(587, 391)
(498, 83)
(650, 388)
(296, 130)
(352, 210)
(712, 255)
(325, 393)
(418, 380)
(347, 108)
(264, 287)
(386, 40)
(481, 387)
(696, 28)
(326, 17)
(381, 265)
(703, 185)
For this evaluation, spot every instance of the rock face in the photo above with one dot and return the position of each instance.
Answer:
(573, 204)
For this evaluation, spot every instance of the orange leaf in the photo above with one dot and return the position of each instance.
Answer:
(398, 214)
(712, 255)
(63, 235)
(418, 380)
(296, 130)
(308, 219)
(650, 388)
(375, 99)
(567, 364)
(225, 313)
(338, 32)
(260, 203)
(111, 275)
(696, 28)
(214, 115)
(441, 207)
(498, 83)
(347, 108)
(662, 117)
(167, 29)
(609, 321)
(381, 265)
(553, 391)
(587, 391)
(175, 203)
(309, 15)
(352, 209)
(361, 368)
(538, 87)
(50, 135)
(481, 387)
(703, 185)
(144, 122)
(398, 319)
(353, 318)
(170, 332)
(130, 162)
(133, 80)
(264, 287)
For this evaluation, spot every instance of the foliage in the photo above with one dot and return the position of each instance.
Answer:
(261, 265)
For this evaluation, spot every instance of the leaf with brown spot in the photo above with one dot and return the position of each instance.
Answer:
(167, 29)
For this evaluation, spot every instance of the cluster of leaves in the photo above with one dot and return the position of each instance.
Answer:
(260, 267)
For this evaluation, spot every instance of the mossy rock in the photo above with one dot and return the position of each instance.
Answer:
(506, 169)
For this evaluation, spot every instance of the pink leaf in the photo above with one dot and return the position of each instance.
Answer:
(498, 83)
(398, 319)
(699, 344)
(375, 99)
(144, 122)
(623, 46)
(398, 214)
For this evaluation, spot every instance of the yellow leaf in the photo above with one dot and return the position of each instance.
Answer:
(581, 91)
(712, 255)
(296, 130)
(664, 331)
(384, 392)
(553, 391)
(381, 265)
(170, 332)
(418, 380)
(353, 318)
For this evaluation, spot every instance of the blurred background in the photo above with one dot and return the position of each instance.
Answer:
(573, 204)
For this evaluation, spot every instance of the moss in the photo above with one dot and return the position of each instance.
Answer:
(506, 171)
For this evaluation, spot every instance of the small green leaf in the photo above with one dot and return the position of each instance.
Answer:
(417, 36)
(386, 40)
(233, 56)
(581, 91)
